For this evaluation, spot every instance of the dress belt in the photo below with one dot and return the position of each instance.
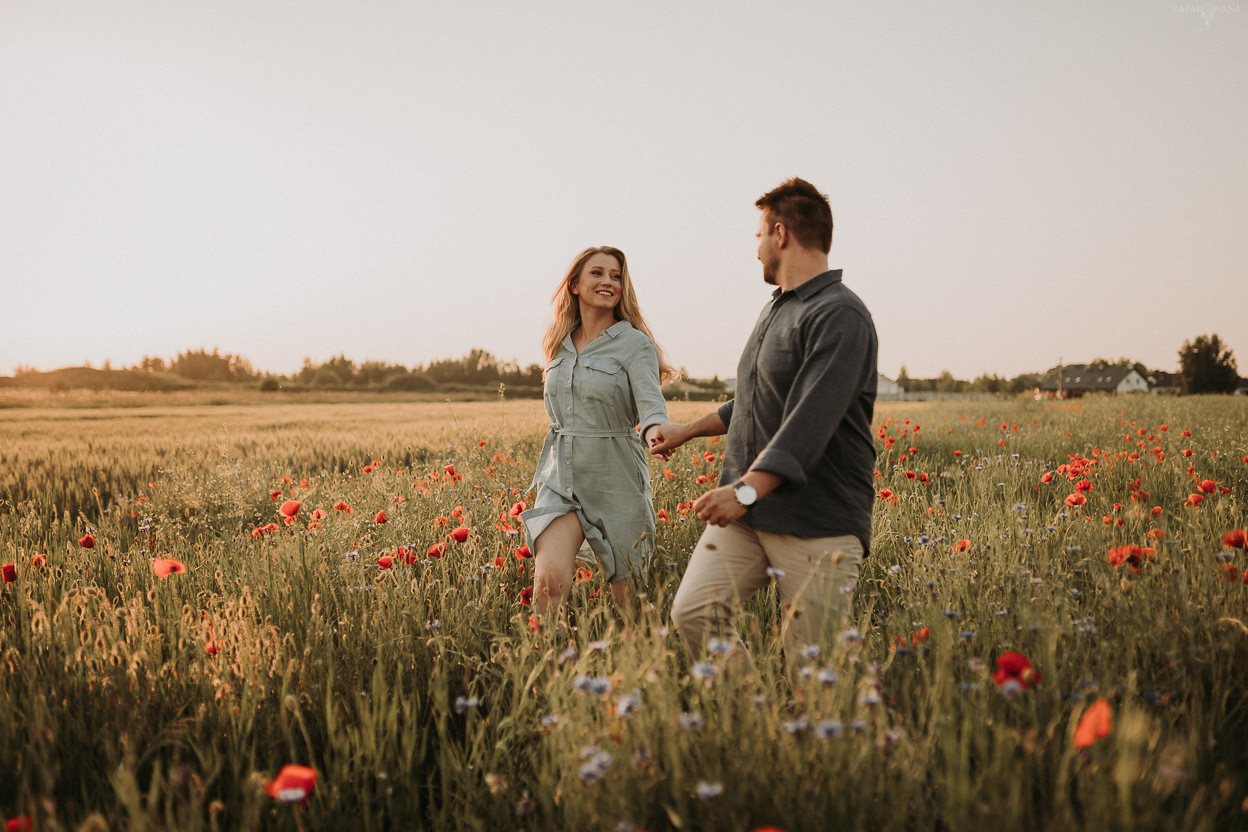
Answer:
(562, 431)
(557, 431)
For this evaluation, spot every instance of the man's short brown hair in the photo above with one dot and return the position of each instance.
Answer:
(803, 210)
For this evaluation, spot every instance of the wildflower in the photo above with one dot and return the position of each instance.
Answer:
(691, 720)
(164, 567)
(961, 545)
(628, 705)
(566, 655)
(1194, 500)
(887, 495)
(318, 514)
(87, 541)
(436, 550)
(1075, 499)
(526, 596)
(1208, 487)
(385, 561)
(705, 671)
(23, 823)
(828, 729)
(1014, 673)
(1095, 724)
(9, 572)
(460, 534)
(341, 506)
(722, 646)
(1236, 539)
(797, 726)
(516, 509)
(1083, 486)
(598, 761)
(463, 703)
(293, 784)
(289, 508)
(583, 574)
(275, 495)
(523, 552)
(380, 517)
(773, 572)
(39, 560)
(709, 790)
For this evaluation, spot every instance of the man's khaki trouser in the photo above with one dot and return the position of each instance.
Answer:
(730, 564)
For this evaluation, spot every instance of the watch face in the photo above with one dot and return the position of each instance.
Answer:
(746, 495)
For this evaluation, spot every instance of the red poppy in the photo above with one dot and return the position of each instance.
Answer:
(436, 550)
(318, 514)
(385, 561)
(164, 567)
(1047, 478)
(516, 509)
(449, 469)
(523, 552)
(23, 823)
(9, 572)
(1095, 724)
(293, 784)
(405, 554)
(1208, 486)
(887, 495)
(87, 541)
(662, 515)
(924, 634)
(1075, 499)
(583, 574)
(368, 469)
(1014, 673)
(1194, 500)
(961, 545)
(380, 517)
(1131, 555)
(460, 535)
(40, 559)
(957, 453)
(1236, 539)
(457, 512)
(341, 506)
(526, 595)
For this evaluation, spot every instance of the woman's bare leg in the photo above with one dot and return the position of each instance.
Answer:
(555, 561)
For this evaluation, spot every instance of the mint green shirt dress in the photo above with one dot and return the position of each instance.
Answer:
(593, 462)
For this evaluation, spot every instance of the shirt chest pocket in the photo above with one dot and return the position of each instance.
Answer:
(602, 380)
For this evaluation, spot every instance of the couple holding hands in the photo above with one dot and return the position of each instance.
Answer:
(796, 491)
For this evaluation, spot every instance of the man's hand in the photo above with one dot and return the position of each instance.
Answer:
(719, 506)
(665, 438)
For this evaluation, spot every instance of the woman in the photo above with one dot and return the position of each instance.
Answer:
(601, 382)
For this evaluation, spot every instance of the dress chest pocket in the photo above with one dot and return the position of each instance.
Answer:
(600, 379)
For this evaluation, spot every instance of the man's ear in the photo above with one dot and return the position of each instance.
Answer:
(783, 237)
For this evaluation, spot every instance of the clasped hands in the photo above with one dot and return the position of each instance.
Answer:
(717, 507)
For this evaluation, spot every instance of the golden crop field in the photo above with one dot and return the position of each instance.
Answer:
(1051, 631)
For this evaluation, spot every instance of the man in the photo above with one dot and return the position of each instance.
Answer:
(797, 487)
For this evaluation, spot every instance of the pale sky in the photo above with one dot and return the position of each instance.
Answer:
(1012, 182)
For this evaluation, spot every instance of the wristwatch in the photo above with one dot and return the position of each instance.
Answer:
(746, 495)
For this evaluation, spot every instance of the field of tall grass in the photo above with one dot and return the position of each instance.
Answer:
(1051, 631)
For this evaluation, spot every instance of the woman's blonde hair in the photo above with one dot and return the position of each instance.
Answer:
(568, 309)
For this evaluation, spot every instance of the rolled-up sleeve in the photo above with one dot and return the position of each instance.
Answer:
(837, 361)
(725, 412)
(643, 375)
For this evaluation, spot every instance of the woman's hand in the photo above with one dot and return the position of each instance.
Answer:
(665, 438)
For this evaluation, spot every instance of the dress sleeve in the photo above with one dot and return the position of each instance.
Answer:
(643, 375)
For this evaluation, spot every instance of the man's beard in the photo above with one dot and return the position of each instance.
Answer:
(769, 272)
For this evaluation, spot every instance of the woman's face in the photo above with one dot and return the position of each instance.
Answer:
(600, 284)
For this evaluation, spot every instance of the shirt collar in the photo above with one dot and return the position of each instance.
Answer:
(613, 330)
(810, 287)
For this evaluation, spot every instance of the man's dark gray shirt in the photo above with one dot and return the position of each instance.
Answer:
(804, 403)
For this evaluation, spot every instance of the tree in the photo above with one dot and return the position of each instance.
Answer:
(903, 379)
(1207, 366)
